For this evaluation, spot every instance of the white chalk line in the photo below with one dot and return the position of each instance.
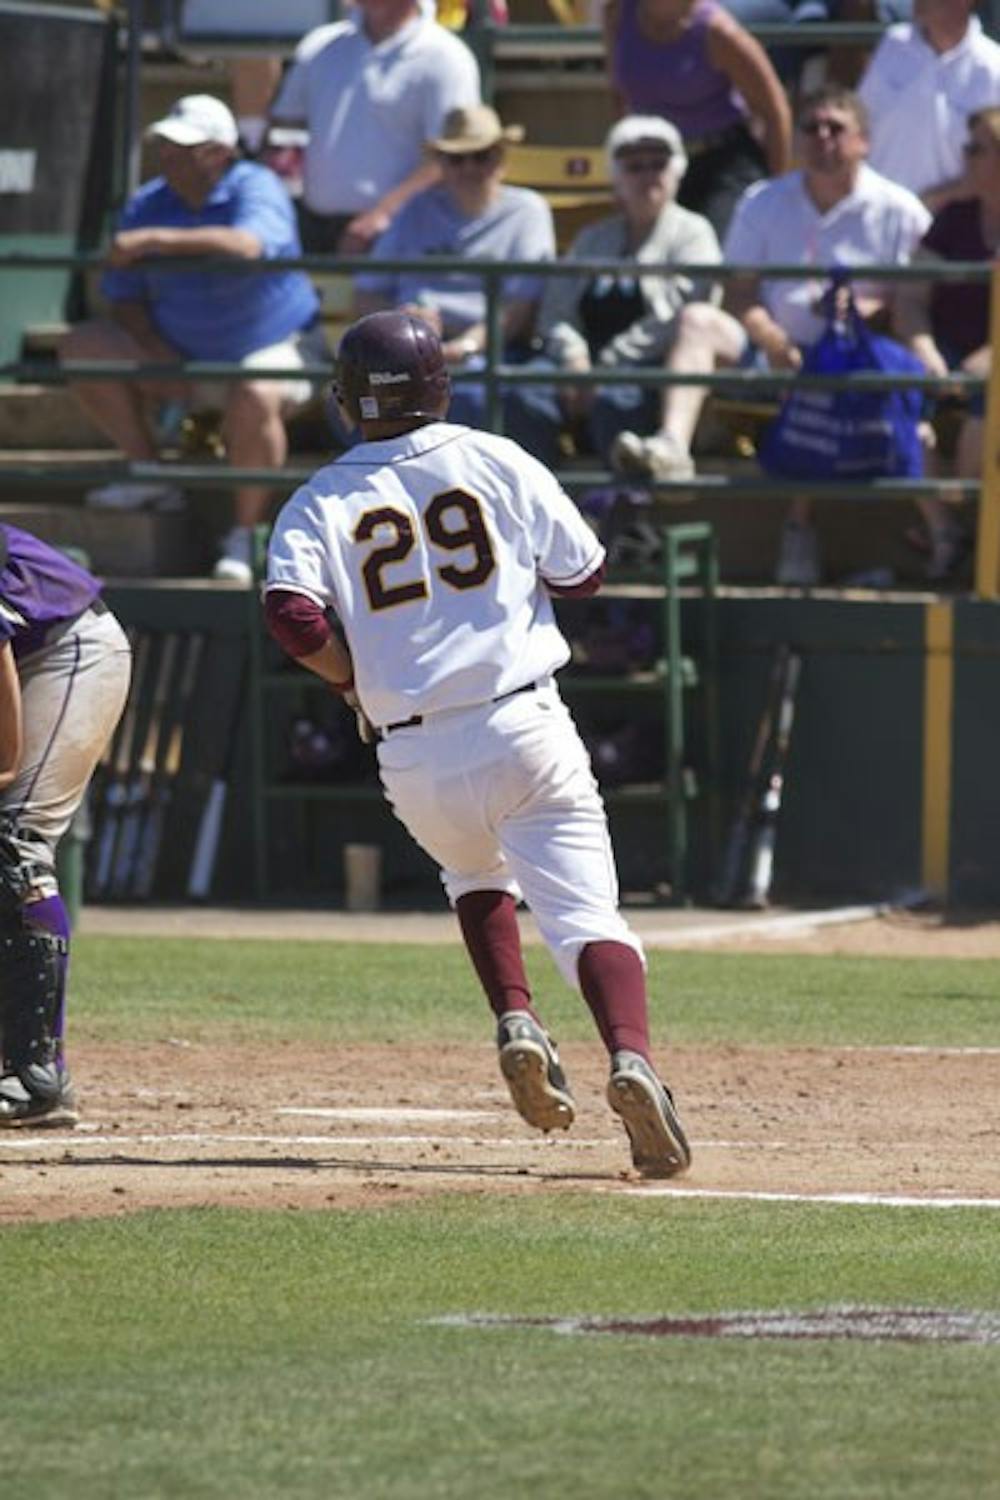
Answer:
(89, 1136)
(766, 927)
(371, 1115)
(878, 1200)
(83, 1138)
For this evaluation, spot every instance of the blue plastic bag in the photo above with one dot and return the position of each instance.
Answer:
(844, 434)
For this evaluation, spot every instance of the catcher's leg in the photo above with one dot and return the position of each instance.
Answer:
(34, 948)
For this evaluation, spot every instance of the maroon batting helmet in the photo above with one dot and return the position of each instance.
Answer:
(390, 368)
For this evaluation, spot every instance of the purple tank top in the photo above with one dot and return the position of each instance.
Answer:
(675, 79)
(39, 586)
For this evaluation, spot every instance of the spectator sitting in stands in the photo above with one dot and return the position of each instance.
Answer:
(833, 210)
(617, 322)
(924, 79)
(370, 90)
(947, 323)
(470, 213)
(693, 63)
(205, 203)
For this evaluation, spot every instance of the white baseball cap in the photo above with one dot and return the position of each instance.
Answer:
(195, 119)
(636, 131)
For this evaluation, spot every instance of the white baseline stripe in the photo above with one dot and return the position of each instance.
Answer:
(83, 1140)
(371, 1115)
(766, 927)
(878, 1200)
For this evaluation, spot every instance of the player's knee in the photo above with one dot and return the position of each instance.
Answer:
(26, 865)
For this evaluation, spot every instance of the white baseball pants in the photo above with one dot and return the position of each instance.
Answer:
(503, 797)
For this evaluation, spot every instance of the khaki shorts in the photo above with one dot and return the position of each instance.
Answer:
(307, 347)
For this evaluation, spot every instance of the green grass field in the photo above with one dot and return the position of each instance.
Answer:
(248, 1354)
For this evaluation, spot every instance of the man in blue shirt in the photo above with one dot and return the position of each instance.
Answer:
(205, 203)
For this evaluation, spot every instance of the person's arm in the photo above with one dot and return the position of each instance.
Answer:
(741, 57)
(11, 722)
(912, 318)
(517, 322)
(742, 300)
(610, 17)
(131, 245)
(301, 628)
(942, 193)
(366, 227)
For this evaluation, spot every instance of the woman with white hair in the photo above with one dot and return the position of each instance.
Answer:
(614, 322)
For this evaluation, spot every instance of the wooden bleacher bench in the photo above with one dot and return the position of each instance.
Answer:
(574, 181)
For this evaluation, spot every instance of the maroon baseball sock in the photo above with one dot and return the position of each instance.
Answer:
(613, 982)
(488, 920)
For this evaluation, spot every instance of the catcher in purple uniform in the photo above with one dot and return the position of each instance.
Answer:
(65, 664)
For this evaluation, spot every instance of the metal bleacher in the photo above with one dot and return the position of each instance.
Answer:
(50, 451)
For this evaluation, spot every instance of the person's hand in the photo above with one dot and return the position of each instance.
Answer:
(430, 315)
(784, 356)
(363, 229)
(457, 351)
(130, 245)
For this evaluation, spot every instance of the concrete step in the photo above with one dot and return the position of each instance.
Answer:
(121, 544)
(45, 417)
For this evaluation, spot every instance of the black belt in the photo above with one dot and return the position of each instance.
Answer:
(713, 140)
(411, 723)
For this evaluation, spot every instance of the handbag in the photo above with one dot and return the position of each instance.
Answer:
(845, 434)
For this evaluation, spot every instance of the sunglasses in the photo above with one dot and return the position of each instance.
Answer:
(825, 127)
(481, 158)
(636, 164)
(975, 148)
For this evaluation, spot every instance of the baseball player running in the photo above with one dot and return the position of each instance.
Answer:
(64, 673)
(439, 549)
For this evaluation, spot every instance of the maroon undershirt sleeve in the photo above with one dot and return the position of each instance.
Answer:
(297, 623)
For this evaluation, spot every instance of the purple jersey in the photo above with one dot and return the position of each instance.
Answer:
(676, 79)
(39, 587)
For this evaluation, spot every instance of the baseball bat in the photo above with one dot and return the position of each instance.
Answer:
(206, 845)
(139, 789)
(728, 883)
(126, 744)
(761, 863)
(148, 853)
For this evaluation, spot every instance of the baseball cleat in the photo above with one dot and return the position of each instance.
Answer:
(21, 1108)
(646, 1109)
(530, 1064)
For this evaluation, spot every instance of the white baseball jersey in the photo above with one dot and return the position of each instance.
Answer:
(430, 548)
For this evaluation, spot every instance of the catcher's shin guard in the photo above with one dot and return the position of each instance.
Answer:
(32, 969)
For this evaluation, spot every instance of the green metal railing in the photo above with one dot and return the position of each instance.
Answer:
(496, 375)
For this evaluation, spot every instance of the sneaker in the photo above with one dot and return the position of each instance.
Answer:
(135, 496)
(798, 557)
(646, 1109)
(234, 564)
(658, 457)
(530, 1064)
(21, 1107)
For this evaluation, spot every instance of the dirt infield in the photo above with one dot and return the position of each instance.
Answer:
(300, 1127)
